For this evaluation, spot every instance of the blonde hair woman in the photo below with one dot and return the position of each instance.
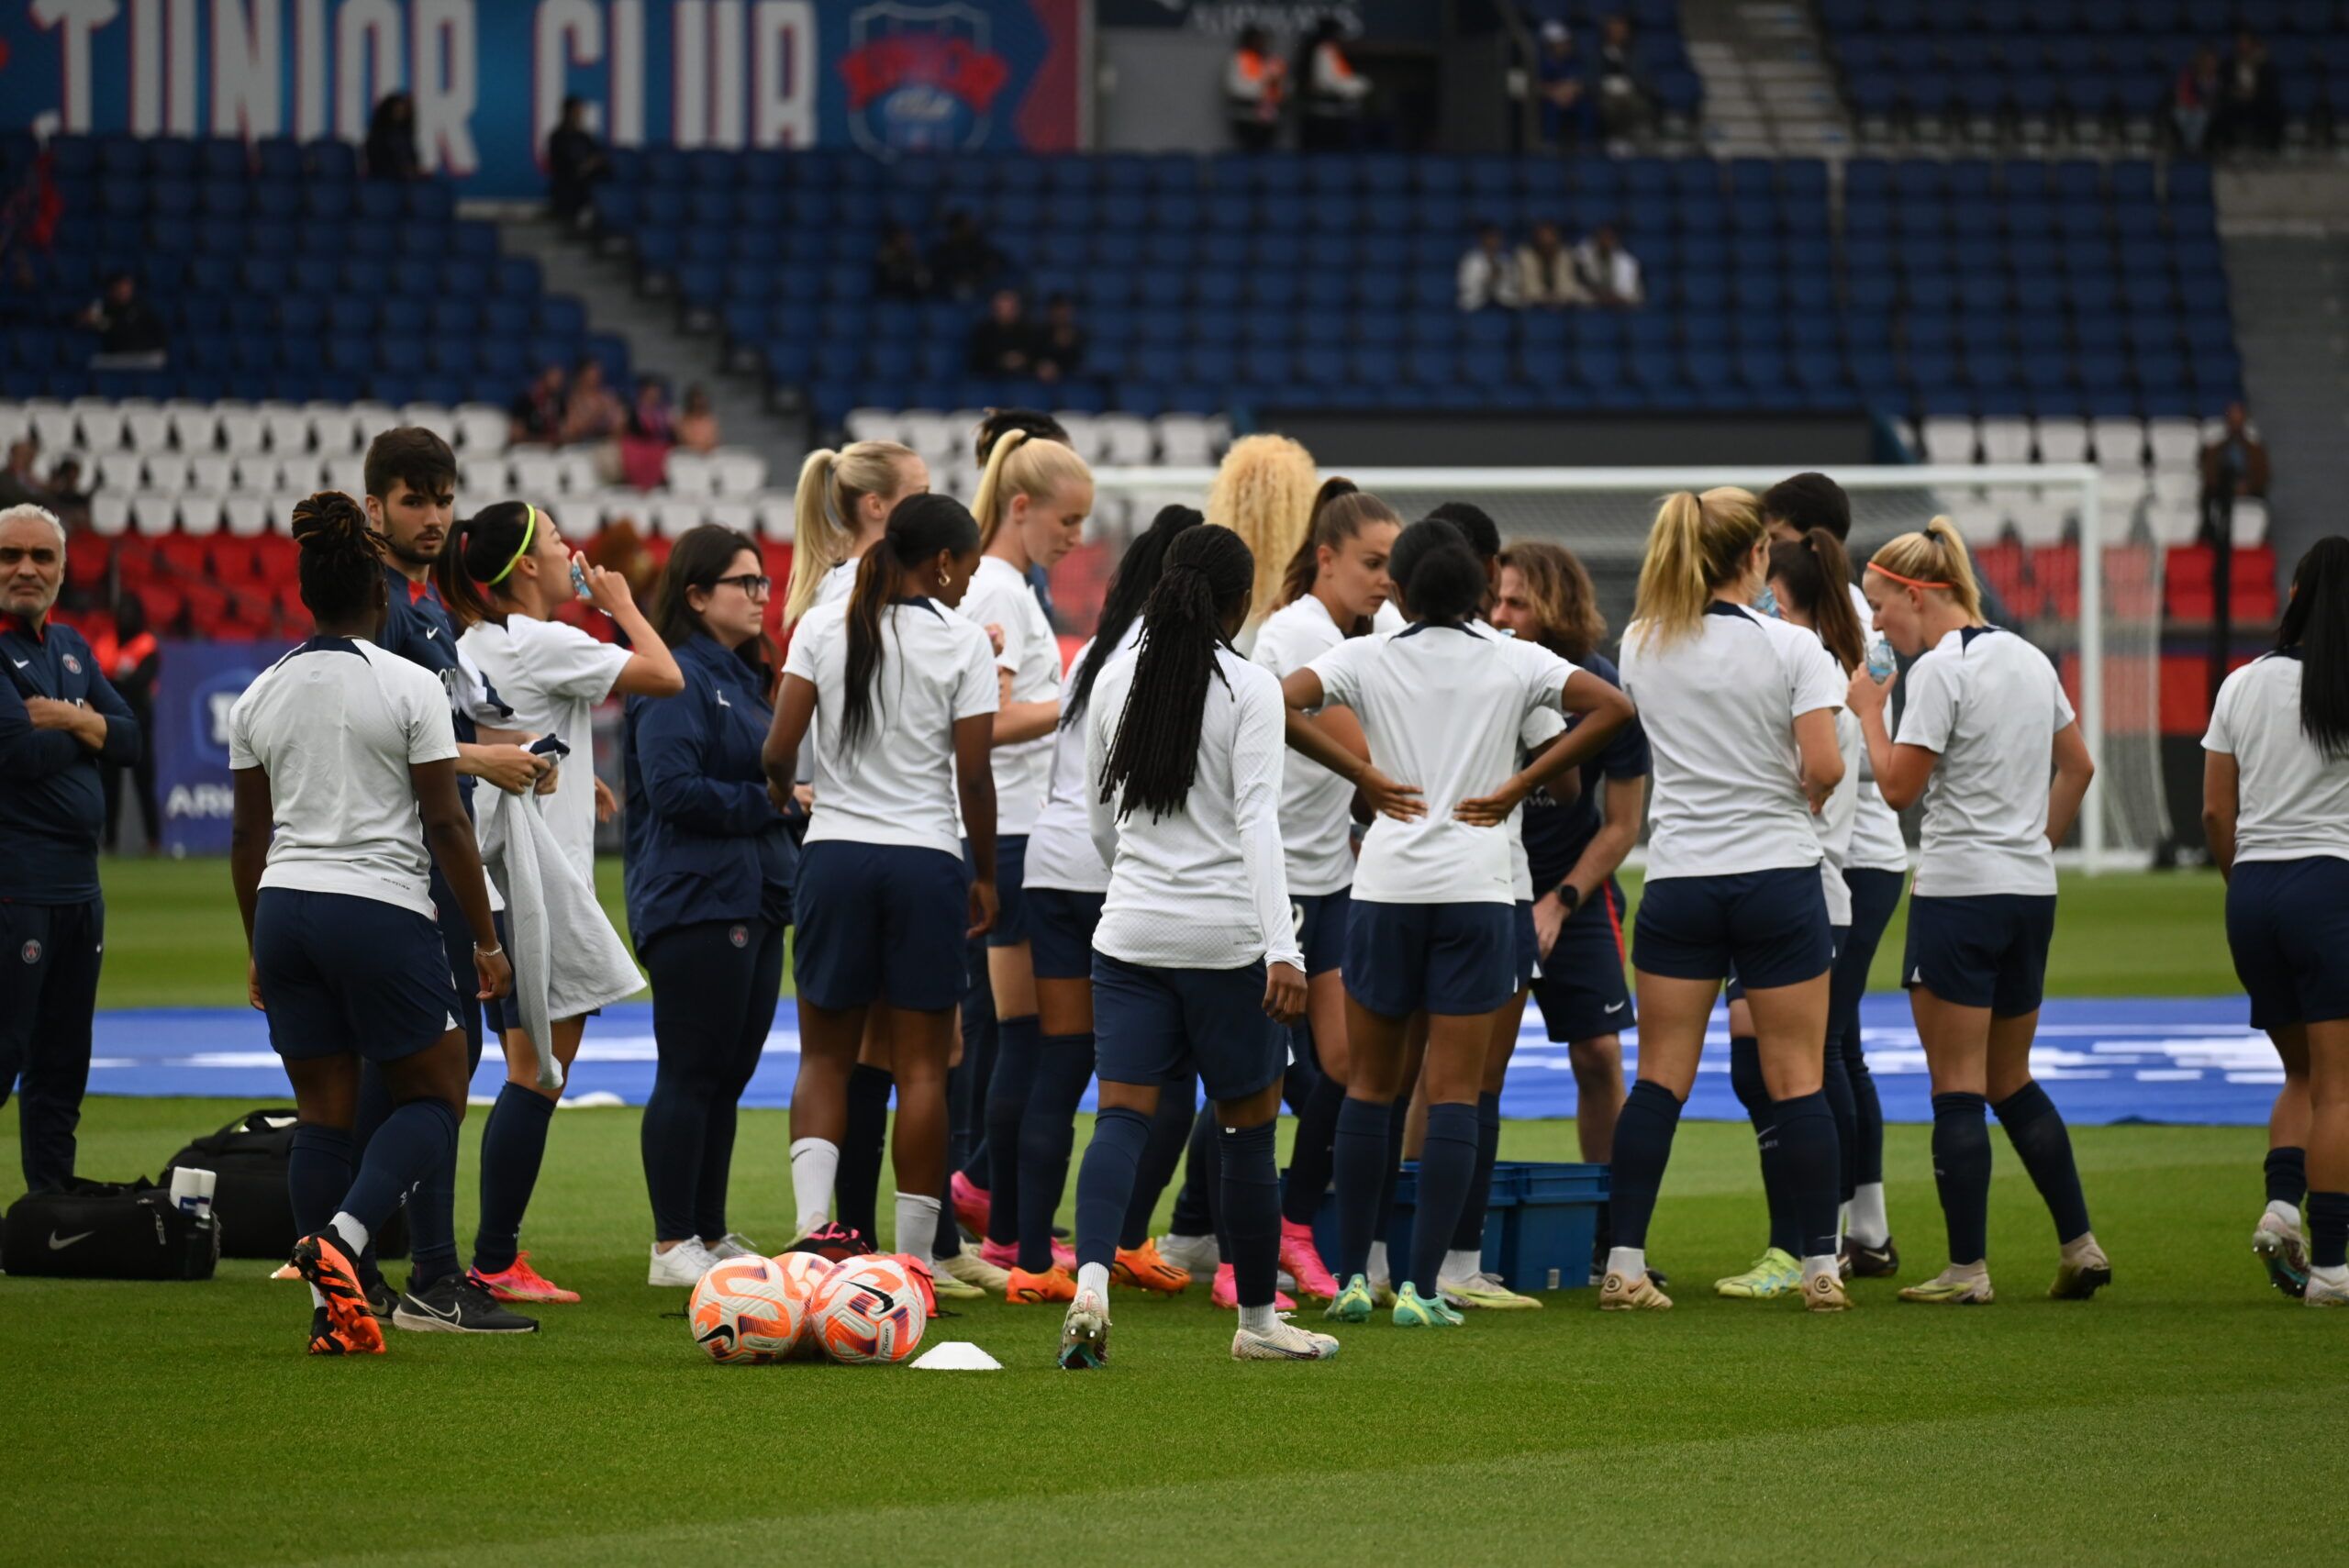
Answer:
(843, 506)
(1264, 492)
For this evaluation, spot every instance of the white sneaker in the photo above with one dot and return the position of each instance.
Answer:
(2324, 1292)
(1198, 1254)
(1284, 1341)
(972, 1270)
(682, 1265)
(733, 1244)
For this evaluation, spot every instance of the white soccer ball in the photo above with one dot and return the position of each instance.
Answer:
(803, 1272)
(869, 1309)
(745, 1312)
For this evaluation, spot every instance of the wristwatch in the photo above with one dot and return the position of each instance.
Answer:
(1568, 895)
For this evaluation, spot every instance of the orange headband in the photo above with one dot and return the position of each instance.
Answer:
(1906, 581)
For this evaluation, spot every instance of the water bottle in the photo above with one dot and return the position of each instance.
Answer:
(1880, 660)
(1765, 603)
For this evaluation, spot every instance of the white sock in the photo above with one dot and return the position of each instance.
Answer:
(2290, 1213)
(916, 1225)
(356, 1235)
(1458, 1264)
(2337, 1276)
(1978, 1269)
(1820, 1264)
(2080, 1246)
(1259, 1319)
(1866, 1224)
(1375, 1265)
(1093, 1277)
(1632, 1262)
(814, 1162)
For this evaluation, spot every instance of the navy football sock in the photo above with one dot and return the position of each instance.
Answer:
(1359, 1163)
(513, 1147)
(1104, 1183)
(1170, 1133)
(2036, 1129)
(1251, 1208)
(2328, 1229)
(317, 1175)
(2286, 1170)
(1809, 1168)
(1845, 1109)
(1469, 1235)
(375, 1105)
(1867, 1153)
(856, 1184)
(1643, 1135)
(1017, 1042)
(1398, 1121)
(1447, 1165)
(1745, 1080)
(1207, 1169)
(1047, 1133)
(1194, 1200)
(417, 1140)
(1310, 1156)
(1962, 1172)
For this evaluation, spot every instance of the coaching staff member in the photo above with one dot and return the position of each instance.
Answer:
(59, 723)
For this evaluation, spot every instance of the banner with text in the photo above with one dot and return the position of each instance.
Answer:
(196, 686)
(488, 77)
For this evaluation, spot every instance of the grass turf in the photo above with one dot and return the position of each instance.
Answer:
(173, 940)
(2187, 1414)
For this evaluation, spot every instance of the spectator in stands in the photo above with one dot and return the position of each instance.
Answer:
(1488, 272)
(575, 162)
(1610, 273)
(651, 431)
(1003, 343)
(125, 324)
(697, 425)
(1569, 110)
(1255, 84)
(20, 485)
(2236, 463)
(129, 658)
(2192, 98)
(898, 271)
(1333, 92)
(70, 499)
(964, 265)
(390, 140)
(1060, 342)
(2252, 113)
(590, 412)
(535, 418)
(1547, 278)
(1626, 104)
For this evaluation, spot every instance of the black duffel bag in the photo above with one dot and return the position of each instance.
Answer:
(107, 1230)
(250, 1197)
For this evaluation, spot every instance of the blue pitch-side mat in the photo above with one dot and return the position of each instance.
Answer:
(2143, 1059)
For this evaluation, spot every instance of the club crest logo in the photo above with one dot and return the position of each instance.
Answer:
(73, 666)
(920, 78)
(30, 953)
(740, 936)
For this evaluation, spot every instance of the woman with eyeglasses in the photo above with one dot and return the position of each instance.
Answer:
(709, 875)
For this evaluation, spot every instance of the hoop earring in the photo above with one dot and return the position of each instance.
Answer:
(942, 577)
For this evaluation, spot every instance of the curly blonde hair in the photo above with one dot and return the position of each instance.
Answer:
(1264, 492)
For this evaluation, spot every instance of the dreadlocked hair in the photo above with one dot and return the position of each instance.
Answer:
(2316, 623)
(1130, 589)
(921, 528)
(1154, 755)
(475, 567)
(339, 567)
(1818, 576)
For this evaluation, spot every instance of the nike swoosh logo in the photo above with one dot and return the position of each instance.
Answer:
(1614, 1006)
(417, 1303)
(431, 632)
(22, 662)
(58, 1244)
(721, 699)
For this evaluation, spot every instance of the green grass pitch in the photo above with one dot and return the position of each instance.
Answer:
(2188, 1414)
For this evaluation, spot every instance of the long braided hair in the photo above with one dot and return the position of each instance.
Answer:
(1154, 754)
(1130, 589)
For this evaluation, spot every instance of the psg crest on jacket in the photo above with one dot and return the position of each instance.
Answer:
(920, 78)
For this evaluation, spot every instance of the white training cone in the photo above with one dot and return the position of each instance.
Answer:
(956, 1355)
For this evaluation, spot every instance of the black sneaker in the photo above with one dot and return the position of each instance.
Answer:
(454, 1304)
(381, 1299)
(1871, 1262)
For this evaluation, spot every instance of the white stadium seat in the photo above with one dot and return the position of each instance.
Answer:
(936, 436)
(775, 517)
(434, 416)
(281, 510)
(2177, 443)
(101, 423)
(110, 513)
(365, 422)
(1084, 434)
(115, 471)
(674, 516)
(153, 514)
(166, 471)
(1127, 442)
(288, 427)
(2120, 443)
(13, 423)
(199, 514)
(147, 428)
(195, 426)
(575, 473)
(53, 423)
(2170, 522)
(2173, 488)
(482, 429)
(2006, 440)
(2062, 441)
(210, 472)
(1949, 439)
(730, 513)
(2249, 524)
(478, 476)
(689, 473)
(2038, 519)
(736, 472)
(242, 430)
(875, 425)
(534, 475)
(1185, 440)
(347, 473)
(246, 513)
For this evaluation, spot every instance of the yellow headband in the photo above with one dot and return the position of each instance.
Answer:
(528, 532)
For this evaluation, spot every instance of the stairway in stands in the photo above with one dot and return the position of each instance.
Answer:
(656, 344)
(1768, 90)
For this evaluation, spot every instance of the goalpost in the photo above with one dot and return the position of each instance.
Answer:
(2100, 622)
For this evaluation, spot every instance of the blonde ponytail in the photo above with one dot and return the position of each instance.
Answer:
(1698, 545)
(1022, 464)
(1933, 559)
(987, 504)
(824, 527)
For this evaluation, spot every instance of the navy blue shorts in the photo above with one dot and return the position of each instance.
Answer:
(1529, 944)
(342, 973)
(1988, 950)
(1454, 958)
(1322, 919)
(1836, 937)
(1059, 931)
(1010, 928)
(1767, 927)
(2287, 922)
(1581, 990)
(880, 923)
(1150, 1026)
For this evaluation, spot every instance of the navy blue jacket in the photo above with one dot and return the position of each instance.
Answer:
(418, 628)
(704, 842)
(52, 792)
(1556, 835)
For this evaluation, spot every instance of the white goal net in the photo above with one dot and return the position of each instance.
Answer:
(2060, 572)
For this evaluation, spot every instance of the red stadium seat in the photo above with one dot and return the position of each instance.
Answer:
(186, 554)
(87, 559)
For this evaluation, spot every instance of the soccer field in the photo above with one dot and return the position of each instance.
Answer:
(2187, 1414)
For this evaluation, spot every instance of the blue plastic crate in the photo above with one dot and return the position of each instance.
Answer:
(1539, 1226)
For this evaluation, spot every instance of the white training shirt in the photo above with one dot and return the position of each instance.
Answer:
(552, 676)
(1444, 709)
(1390, 617)
(1989, 705)
(2292, 801)
(1835, 821)
(1060, 846)
(1719, 706)
(1316, 817)
(1877, 843)
(1000, 595)
(837, 582)
(337, 724)
(896, 784)
(1203, 888)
